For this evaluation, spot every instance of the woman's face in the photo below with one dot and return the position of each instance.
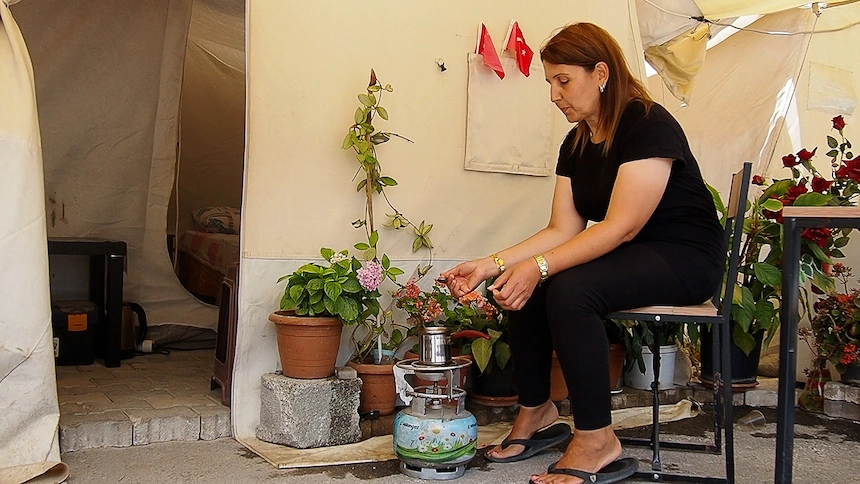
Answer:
(575, 91)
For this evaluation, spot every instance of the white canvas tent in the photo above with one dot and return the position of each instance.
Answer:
(109, 85)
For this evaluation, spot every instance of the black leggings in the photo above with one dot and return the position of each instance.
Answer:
(566, 312)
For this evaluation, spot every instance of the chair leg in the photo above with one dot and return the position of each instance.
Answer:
(726, 367)
(656, 465)
(718, 395)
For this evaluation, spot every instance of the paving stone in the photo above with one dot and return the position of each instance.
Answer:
(101, 407)
(71, 408)
(842, 392)
(117, 389)
(139, 396)
(164, 425)
(66, 371)
(79, 432)
(75, 380)
(309, 413)
(760, 398)
(171, 401)
(214, 422)
(842, 409)
(82, 398)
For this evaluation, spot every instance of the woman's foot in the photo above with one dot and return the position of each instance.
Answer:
(529, 420)
(589, 450)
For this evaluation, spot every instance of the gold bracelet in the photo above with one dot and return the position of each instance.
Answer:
(544, 269)
(499, 262)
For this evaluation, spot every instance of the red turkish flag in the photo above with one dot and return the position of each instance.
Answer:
(523, 53)
(488, 50)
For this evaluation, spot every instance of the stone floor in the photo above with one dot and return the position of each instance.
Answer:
(149, 398)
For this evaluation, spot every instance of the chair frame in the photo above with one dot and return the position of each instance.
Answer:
(718, 311)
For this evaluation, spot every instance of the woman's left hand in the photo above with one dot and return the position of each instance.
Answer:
(515, 286)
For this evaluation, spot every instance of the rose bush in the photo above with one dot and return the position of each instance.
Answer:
(757, 295)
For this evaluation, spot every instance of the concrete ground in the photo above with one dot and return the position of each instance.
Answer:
(826, 450)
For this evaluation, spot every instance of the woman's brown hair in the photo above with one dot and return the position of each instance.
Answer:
(585, 44)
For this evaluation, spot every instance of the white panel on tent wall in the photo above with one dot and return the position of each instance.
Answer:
(831, 89)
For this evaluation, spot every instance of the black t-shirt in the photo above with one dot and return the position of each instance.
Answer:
(686, 214)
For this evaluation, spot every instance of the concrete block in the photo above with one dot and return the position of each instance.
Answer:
(79, 432)
(563, 407)
(760, 398)
(841, 409)
(164, 425)
(214, 422)
(309, 413)
(170, 401)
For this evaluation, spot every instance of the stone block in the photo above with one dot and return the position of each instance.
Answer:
(345, 373)
(309, 413)
(164, 425)
(760, 398)
(841, 392)
(563, 408)
(79, 432)
(214, 422)
(383, 425)
(841, 409)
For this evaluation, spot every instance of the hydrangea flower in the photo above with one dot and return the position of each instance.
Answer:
(370, 276)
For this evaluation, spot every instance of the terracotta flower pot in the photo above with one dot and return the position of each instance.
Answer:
(307, 345)
(617, 353)
(377, 388)
(557, 385)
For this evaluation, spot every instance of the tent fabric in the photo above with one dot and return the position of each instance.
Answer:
(679, 60)
(28, 395)
(721, 9)
(108, 79)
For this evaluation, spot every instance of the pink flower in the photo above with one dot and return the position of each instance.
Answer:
(370, 276)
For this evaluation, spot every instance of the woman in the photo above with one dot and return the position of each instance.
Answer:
(627, 166)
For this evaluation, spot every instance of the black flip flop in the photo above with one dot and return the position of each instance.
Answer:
(613, 472)
(540, 441)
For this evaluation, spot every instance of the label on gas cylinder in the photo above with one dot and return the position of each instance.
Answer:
(434, 440)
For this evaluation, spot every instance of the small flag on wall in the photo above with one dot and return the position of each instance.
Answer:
(516, 44)
(488, 50)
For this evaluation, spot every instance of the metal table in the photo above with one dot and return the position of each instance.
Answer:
(794, 220)
(107, 264)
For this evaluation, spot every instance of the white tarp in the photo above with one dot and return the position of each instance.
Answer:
(28, 392)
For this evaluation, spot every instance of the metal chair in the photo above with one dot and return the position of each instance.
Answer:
(717, 312)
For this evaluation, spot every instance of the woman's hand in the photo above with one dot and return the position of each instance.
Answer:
(515, 286)
(465, 277)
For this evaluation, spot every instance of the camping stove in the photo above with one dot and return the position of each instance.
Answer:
(435, 437)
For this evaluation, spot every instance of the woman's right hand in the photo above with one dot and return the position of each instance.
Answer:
(465, 277)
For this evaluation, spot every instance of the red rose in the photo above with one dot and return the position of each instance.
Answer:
(819, 235)
(849, 169)
(793, 193)
(838, 123)
(757, 180)
(806, 155)
(820, 184)
(789, 161)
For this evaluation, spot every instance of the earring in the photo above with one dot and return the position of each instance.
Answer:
(602, 88)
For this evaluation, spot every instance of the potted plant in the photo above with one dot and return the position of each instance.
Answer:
(757, 295)
(639, 364)
(834, 333)
(346, 288)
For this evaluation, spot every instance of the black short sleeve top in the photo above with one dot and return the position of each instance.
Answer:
(685, 215)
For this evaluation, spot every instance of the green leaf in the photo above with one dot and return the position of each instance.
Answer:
(326, 253)
(824, 282)
(319, 307)
(841, 242)
(718, 201)
(772, 204)
(743, 340)
(315, 297)
(347, 142)
(817, 252)
(330, 306)
(361, 185)
(361, 246)
(315, 285)
(388, 181)
(481, 351)
(849, 155)
(812, 199)
(366, 100)
(370, 253)
(382, 112)
(351, 286)
(831, 142)
(767, 274)
(332, 289)
(296, 292)
(359, 115)
(502, 352)
(386, 262)
(832, 153)
(374, 238)
(349, 312)
(416, 244)
(395, 271)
